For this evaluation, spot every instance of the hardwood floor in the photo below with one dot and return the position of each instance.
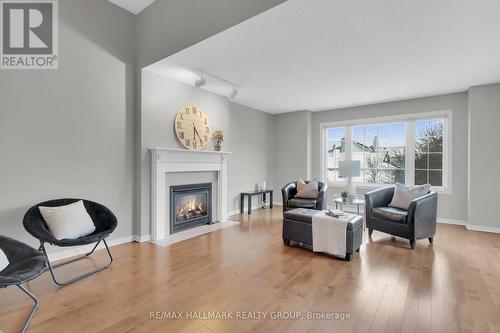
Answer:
(450, 286)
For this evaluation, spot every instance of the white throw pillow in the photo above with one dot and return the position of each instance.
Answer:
(404, 195)
(307, 191)
(70, 221)
(4, 262)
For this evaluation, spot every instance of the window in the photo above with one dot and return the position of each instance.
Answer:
(412, 150)
(429, 152)
(381, 150)
(335, 152)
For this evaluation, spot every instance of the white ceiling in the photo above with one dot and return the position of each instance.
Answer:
(133, 6)
(323, 54)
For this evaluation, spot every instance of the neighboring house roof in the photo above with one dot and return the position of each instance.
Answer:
(360, 147)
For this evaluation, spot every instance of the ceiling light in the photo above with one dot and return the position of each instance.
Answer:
(233, 93)
(216, 81)
(200, 83)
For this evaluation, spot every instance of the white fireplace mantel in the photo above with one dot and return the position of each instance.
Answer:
(166, 160)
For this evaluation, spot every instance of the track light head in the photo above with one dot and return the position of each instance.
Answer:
(200, 83)
(233, 93)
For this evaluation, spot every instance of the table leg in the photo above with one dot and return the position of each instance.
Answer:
(271, 199)
(263, 200)
(242, 203)
(249, 204)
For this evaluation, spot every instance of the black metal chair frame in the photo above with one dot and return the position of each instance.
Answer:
(81, 276)
(36, 226)
(33, 310)
(19, 284)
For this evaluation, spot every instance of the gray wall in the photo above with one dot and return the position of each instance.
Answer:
(484, 136)
(291, 135)
(68, 132)
(248, 135)
(290, 148)
(251, 144)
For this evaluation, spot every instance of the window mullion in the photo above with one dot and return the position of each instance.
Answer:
(348, 143)
(445, 166)
(410, 153)
(324, 155)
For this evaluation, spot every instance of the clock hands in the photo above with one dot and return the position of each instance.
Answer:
(196, 133)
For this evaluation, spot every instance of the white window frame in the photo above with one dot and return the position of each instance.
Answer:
(409, 120)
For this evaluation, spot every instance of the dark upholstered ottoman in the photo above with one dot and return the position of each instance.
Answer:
(297, 227)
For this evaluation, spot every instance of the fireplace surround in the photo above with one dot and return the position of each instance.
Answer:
(165, 161)
(190, 206)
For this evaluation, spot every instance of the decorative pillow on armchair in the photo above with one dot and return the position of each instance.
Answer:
(70, 221)
(404, 195)
(4, 262)
(307, 191)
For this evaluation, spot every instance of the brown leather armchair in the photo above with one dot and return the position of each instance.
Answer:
(291, 202)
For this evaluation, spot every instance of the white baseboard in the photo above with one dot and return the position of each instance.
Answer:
(451, 221)
(475, 227)
(55, 256)
(237, 211)
(141, 239)
(471, 227)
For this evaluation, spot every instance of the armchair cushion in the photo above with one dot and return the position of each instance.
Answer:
(307, 190)
(404, 195)
(391, 214)
(302, 203)
(4, 262)
(68, 221)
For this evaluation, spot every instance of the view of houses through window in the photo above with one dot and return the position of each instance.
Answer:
(406, 152)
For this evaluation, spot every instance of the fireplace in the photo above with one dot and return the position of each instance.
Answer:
(190, 206)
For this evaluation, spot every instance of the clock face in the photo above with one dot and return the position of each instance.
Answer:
(192, 127)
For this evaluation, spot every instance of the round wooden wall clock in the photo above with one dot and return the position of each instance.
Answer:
(192, 127)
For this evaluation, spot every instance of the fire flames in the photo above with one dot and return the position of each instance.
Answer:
(191, 209)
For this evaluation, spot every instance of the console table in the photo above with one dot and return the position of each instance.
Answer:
(249, 194)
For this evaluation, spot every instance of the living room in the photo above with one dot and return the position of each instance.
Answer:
(235, 166)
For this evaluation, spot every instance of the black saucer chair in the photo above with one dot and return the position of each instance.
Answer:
(25, 264)
(104, 221)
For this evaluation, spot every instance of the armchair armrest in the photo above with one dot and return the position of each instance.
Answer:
(288, 192)
(378, 198)
(321, 203)
(422, 214)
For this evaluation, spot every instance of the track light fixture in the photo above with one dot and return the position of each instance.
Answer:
(201, 82)
(233, 93)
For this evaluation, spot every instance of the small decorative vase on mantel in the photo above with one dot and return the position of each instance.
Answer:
(218, 138)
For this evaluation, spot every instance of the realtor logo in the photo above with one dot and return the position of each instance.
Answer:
(29, 36)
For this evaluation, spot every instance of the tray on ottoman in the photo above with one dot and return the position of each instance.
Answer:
(297, 227)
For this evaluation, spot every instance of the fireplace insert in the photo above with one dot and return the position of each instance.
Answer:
(190, 206)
